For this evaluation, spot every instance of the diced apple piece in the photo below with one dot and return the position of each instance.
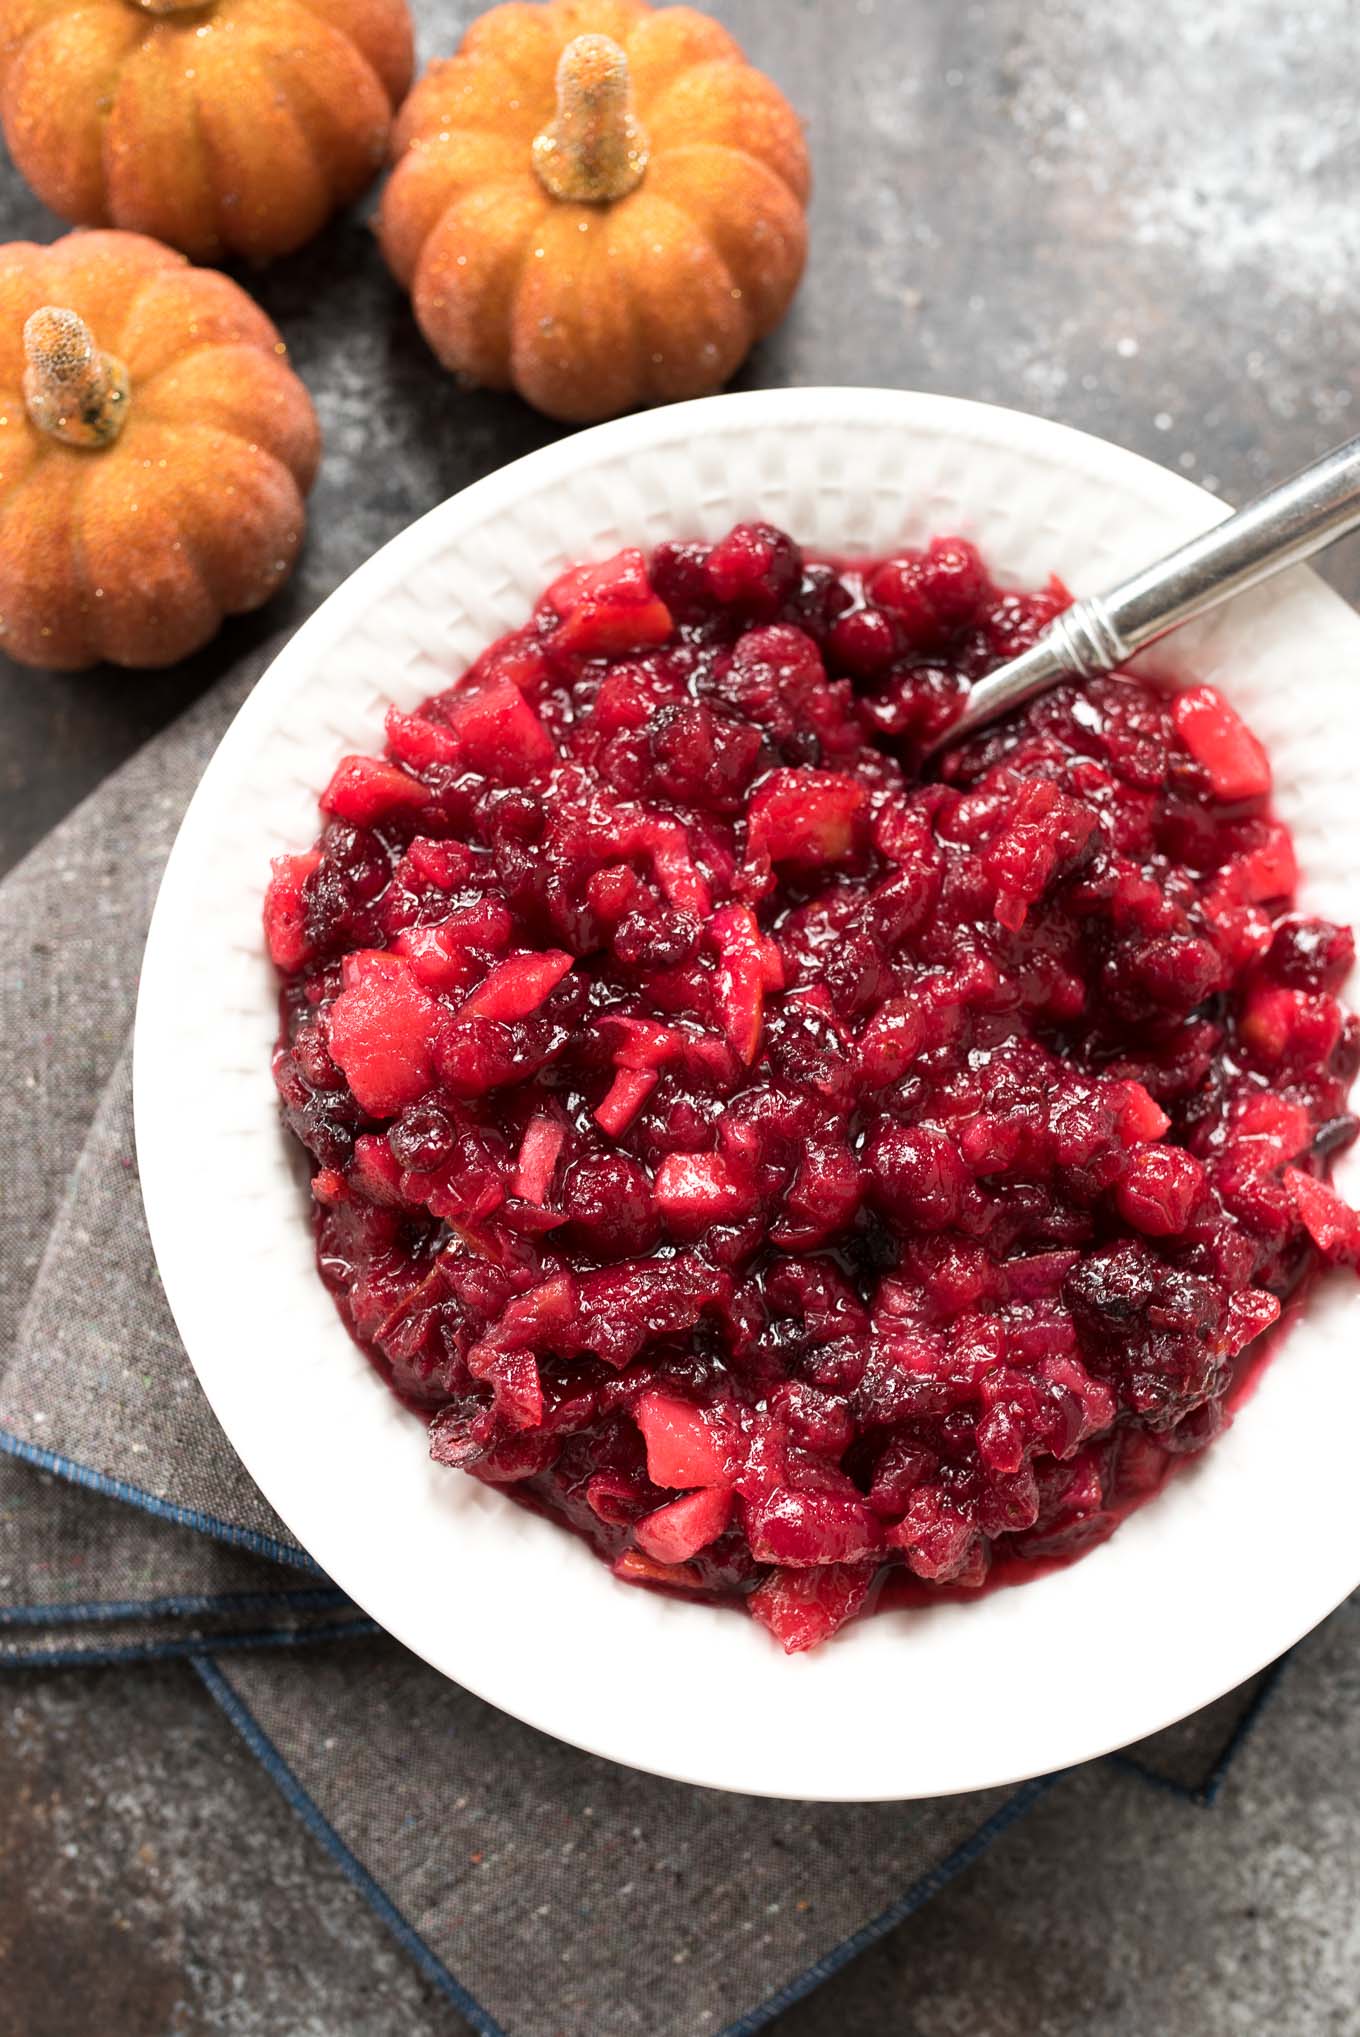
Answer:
(381, 1027)
(520, 659)
(676, 873)
(679, 1530)
(518, 1390)
(1140, 1115)
(1331, 1224)
(748, 966)
(696, 1190)
(442, 954)
(371, 965)
(1270, 870)
(805, 817)
(517, 986)
(623, 1099)
(803, 1608)
(499, 733)
(1218, 738)
(285, 910)
(435, 962)
(608, 609)
(365, 789)
(641, 1043)
(543, 1140)
(803, 1529)
(635, 1568)
(1275, 1122)
(687, 1446)
(417, 742)
(1279, 1025)
(621, 1307)
(443, 864)
(375, 1172)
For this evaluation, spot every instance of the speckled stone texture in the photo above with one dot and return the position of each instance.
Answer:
(1143, 224)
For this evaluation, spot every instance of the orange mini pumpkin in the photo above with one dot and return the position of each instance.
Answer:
(223, 127)
(155, 449)
(598, 204)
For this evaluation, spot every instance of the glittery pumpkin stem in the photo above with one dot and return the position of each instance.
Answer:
(593, 151)
(72, 390)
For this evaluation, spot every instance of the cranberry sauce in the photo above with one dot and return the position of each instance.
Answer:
(778, 1168)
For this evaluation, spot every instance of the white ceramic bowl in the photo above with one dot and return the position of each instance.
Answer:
(1233, 1562)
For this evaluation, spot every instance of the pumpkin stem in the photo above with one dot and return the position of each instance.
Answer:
(594, 151)
(71, 389)
(173, 6)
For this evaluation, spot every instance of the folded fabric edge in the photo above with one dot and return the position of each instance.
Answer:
(163, 1509)
(920, 1893)
(304, 1805)
(190, 1647)
(96, 1612)
(1203, 1794)
(1206, 1793)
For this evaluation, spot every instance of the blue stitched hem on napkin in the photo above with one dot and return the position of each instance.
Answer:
(165, 1510)
(103, 1612)
(190, 1649)
(467, 2005)
(1206, 1793)
(929, 1885)
(201, 1652)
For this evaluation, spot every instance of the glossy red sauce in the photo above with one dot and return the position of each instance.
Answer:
(812, 1183)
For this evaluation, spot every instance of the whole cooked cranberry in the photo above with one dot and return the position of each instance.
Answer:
(1109, 1291)
(931, 593)
(1311, 954)
(899, 585)
(913, 704)
(608, 1199)
(678, 575)
(918, 1175)
(774, 679)
(422, 1138)
(955, 580)
(1160, 1190)
(822, 595)
(863, 642)
(700, 757)
(507, 815)
(359, 860)
(312, 1056)
(754, 570)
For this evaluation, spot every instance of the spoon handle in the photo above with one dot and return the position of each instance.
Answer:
(1278, 529)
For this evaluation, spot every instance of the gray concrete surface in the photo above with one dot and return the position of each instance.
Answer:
(1145, 223)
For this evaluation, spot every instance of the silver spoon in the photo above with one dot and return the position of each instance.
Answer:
(1282, 527)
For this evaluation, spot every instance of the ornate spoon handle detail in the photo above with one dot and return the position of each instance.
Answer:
(1282, 527)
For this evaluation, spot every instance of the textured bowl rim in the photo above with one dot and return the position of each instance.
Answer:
(1261, 1623)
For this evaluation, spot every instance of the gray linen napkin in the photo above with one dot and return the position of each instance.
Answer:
(75, 1571)
(84, 1576)
(549, 1893)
